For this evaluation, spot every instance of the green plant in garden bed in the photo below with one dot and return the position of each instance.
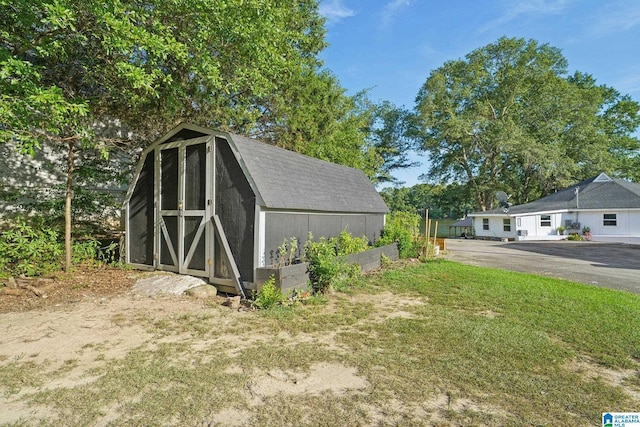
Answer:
(327, 261)
(346, 244)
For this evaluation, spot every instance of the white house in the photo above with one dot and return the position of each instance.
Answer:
(610, 208)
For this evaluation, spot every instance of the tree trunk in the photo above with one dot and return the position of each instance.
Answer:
(67, 206)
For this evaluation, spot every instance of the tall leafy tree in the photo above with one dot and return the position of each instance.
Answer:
(389, 134)
(509, 117)
(72, 70)
(314, 116)
(443, 201)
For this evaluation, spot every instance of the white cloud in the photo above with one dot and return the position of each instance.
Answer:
(334, 10)
(391, 9)
(629, 82)
(517, 9)
(616, 18)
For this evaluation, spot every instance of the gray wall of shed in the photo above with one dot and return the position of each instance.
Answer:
(285, 225)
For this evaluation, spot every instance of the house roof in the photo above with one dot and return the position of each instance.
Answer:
(283, 179)
(600, 192)
(465, 222)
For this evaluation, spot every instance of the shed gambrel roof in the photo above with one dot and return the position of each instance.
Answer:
(287, 180)
(292, 181)
(598, 193)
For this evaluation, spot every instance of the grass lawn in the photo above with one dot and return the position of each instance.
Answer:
(423, 344)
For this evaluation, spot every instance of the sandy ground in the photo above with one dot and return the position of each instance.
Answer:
(54, 335)
(97, 329)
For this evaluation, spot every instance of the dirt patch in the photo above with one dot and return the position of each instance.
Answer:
(85, 283)
(322, 377)
(615, 378)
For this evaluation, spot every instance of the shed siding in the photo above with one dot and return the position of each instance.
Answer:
(142, 215)
(235, 205)
(285, 225)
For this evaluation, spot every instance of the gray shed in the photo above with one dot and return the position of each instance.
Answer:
(218, 205)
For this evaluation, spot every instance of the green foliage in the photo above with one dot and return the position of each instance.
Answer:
(390, 132)
(402, 228)
(509, 117)
(287, 252)
(575, 237)
(86, 250)
(443, 201)
(315, 117)
(248, 66)
(269, 295)
(29, 250)
(323, 263)
(346, 276)
(34, 247)
(385, 261)
(346, 244)
(326, 258)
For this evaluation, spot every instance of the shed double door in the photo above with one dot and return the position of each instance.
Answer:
(184, 208)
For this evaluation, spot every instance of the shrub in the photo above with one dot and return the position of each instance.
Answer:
(269, 295)
(346, 275)
(346, 244)
(29, 250)
(323, 264)
(33, 248)
(402, 228)
(85, 250)
(327, 264)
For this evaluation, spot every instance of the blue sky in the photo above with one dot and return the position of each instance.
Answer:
(391, 46)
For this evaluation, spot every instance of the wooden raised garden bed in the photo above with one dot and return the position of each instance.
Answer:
(296, 276)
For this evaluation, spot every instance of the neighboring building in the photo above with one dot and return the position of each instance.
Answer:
(218, 205)
(41, 181)
(462, 227)
(610, 208)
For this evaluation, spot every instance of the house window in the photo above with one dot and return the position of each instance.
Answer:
(506, 224)
(485, 223)
(545, 220)
(518, 222)
(610, 220)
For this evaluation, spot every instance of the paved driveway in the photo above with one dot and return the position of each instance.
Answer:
(610, 265)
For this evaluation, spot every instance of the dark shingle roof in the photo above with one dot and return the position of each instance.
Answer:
(288, 180)
(600, 192)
